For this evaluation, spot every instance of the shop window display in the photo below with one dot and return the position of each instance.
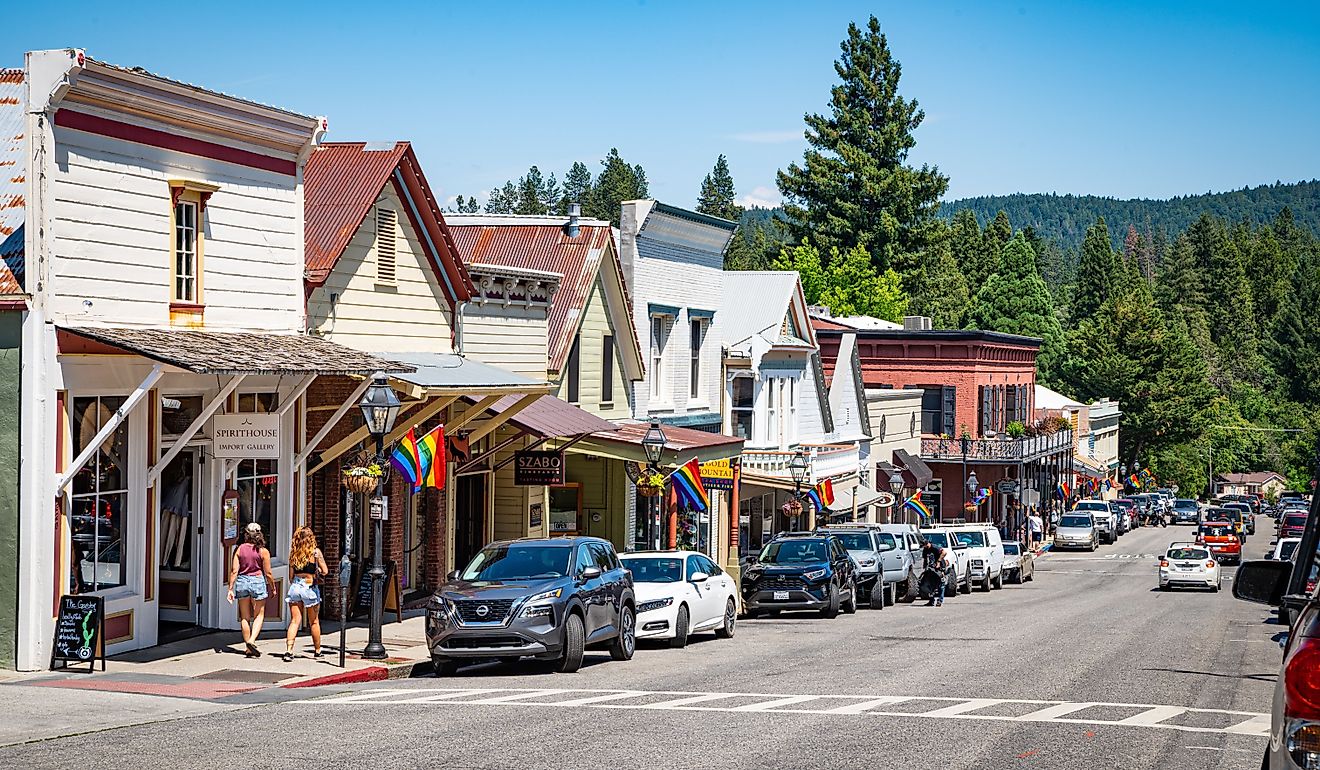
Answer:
(100, 492)
(257, 482)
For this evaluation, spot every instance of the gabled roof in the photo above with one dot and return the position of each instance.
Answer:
(1052, 399)
(1255, 477)
(542, 243)
(340, 185)
(778, 296)
(13, 178)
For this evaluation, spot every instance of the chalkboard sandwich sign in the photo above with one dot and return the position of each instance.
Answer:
(78, 630)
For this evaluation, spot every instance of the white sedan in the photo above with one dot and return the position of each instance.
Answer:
(1188, 564)
(680, 593)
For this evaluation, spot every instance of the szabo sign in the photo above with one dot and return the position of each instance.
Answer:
(533, 468)
(247, 436)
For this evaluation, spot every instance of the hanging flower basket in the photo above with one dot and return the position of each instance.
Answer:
(362, 479)
(648, 490)
(969, 508)
(650, 484)
(792, 508)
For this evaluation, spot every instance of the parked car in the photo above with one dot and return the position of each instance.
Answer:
(1188, 564)
(1222, 540)
(801, 571)
(886, 563)
(550, 599)
(1293, 523)
(1076, 530)
(1019, 563)
(1129, 507)
(1105, 524)
(1284, 549)
(959, 576)
(1248, 517)
(985, 553)
(680, 593)
(1186, 511)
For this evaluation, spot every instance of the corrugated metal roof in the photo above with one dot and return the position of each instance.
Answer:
(13, 178)
(550, 417)
(676, 438)
(541, 243)
(773, 293)
(447, 370)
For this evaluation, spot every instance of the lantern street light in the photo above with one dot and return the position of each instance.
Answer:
(896, 485)
(653, 443)
(965, 442)
(380, 408)
(798, 468)
(1122, 476)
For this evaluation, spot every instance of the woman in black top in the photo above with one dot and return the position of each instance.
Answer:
(305, 563)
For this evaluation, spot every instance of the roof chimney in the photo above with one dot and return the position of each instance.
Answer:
(571, 229)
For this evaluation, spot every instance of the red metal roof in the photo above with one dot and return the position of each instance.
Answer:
(543, 244)
(550, 417)
(676, 438)
(342, 181)
(820, 324)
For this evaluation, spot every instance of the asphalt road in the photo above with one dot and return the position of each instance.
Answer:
(1087, 667)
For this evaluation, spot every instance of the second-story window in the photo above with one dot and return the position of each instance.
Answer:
(698, 335)
(742, 407)
(187, 287)
(575, 371)
(607, 370)
(659, 335)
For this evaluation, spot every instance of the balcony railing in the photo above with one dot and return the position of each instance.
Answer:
(1004, 449)
(823, 461)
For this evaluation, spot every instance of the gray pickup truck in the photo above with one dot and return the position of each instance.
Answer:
(888, 558)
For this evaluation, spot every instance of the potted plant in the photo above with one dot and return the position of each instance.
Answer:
(792, 508)
(363, 478)
(650, 483)
(1016, 429)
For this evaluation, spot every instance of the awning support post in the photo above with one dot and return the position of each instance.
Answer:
(211, 408)
(109, 428)
(288, 401)
(330, 424)
(402, 427)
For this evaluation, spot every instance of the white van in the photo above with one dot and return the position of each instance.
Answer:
(985, 552)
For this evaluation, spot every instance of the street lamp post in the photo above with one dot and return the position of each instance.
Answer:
(970, 489)
(1122, 476)
(798, 467)
(896, 484)
(966, 442)
(380, 408)
(653, 443)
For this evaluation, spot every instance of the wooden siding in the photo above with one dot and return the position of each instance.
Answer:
(604, 493)
(410, 315)
(596, 323)
(111, 237)
(512, 338)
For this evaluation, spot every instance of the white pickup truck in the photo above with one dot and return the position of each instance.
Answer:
(960, 577)
(1106, 524)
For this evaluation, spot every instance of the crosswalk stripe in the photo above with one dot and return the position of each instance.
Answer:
(1257, 725)
(598, 698)
(772, 704)
(961, 708)
(679, 702)
(1152, 716)
(511, 698)
(1051, 713)
(867, 705)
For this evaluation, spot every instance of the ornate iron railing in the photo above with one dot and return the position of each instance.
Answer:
(999, 449)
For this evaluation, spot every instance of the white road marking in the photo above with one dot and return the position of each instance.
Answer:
(1206, 748)
(1150, 716)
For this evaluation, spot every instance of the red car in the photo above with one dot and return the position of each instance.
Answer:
(1293, 525)
(1221, 539)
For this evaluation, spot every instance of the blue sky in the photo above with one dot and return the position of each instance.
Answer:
(1130, 99)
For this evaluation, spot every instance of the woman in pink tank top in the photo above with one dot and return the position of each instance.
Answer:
(250, 581)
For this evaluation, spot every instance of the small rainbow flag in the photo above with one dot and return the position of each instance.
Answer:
(1135, 481)
(687, 483)
(982, 495)
(915, 504)
(822, 495)
(1062, 490)
(431, 454)
(406, 459)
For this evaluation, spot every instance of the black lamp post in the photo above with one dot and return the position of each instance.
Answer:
(1122, 476)
(966, 444)
(653, 443)
(798, 467)
(896, 485)
(971, 487)
(380, 408)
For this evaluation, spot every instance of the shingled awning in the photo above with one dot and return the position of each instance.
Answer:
(231, 353)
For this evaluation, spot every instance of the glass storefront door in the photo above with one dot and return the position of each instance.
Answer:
(180, 492)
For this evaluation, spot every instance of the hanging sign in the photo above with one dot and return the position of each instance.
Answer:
(718, 474)
(379, 508)
(1006, 486)
(246, 436)
(532, 468)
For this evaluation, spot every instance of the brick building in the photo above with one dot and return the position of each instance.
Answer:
(976, 414)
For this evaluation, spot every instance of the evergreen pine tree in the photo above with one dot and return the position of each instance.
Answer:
(618, 182)
(1014, 300)
(997, 233)
(854, 185)
(1294, 343)
(717, 193)
(576, 187)
(1096, 272)
(536, 195)
(941, 293)
(969, 248)
(503, 200)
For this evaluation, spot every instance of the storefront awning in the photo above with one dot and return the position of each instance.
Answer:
(440, 374)
(624, 442)
(916, 471)
(549, 417)
(843, 499)
(1085, 466)
(232, 353)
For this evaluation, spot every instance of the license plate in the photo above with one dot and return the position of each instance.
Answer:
(781, 596)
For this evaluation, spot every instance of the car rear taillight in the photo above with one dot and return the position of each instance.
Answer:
(1301, 681)
(1210, 564)
(1164, 562)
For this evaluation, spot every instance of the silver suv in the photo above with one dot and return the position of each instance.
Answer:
(888, 558)
(548, 599)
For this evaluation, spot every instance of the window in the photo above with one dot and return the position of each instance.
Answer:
(186, 252)
(791, 406)
(693, 566)
(100, 494)
(1011, 405)
(658, 338)
(584, 559)
(574, 371)
(607, 370)
(742, 407)
(698, 333)
(257, 483)
(387, 245)
(772, 412)
(932, 415)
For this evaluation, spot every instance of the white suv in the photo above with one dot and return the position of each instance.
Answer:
(985, 553)
(1102, 512)
(961, 577)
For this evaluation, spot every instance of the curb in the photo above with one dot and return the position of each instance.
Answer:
(409, 670)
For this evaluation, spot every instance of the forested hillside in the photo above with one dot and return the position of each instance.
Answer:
(1064, 218)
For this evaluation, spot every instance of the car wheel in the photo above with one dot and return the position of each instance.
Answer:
(967, 583)
(878, 595)
(890, 593)
(730, 618)
(444, 666)
(681, 624)
(912, 588)
(831, 609)
(1164, 588)
(1092, 548)
(1031, 576)
(985, 585)
(574, 645)
(850, 606)
(625, 644)
(999, 581)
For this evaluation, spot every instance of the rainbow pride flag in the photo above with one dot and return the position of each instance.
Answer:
(406, 459)
(822, 495)
(914, 503)
(687, 483)
(431, 456)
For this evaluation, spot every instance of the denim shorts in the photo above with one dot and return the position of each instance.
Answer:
(299, 591)
(251, 587)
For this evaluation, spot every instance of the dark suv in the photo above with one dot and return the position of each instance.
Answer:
(801, 571)
(548, 599)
